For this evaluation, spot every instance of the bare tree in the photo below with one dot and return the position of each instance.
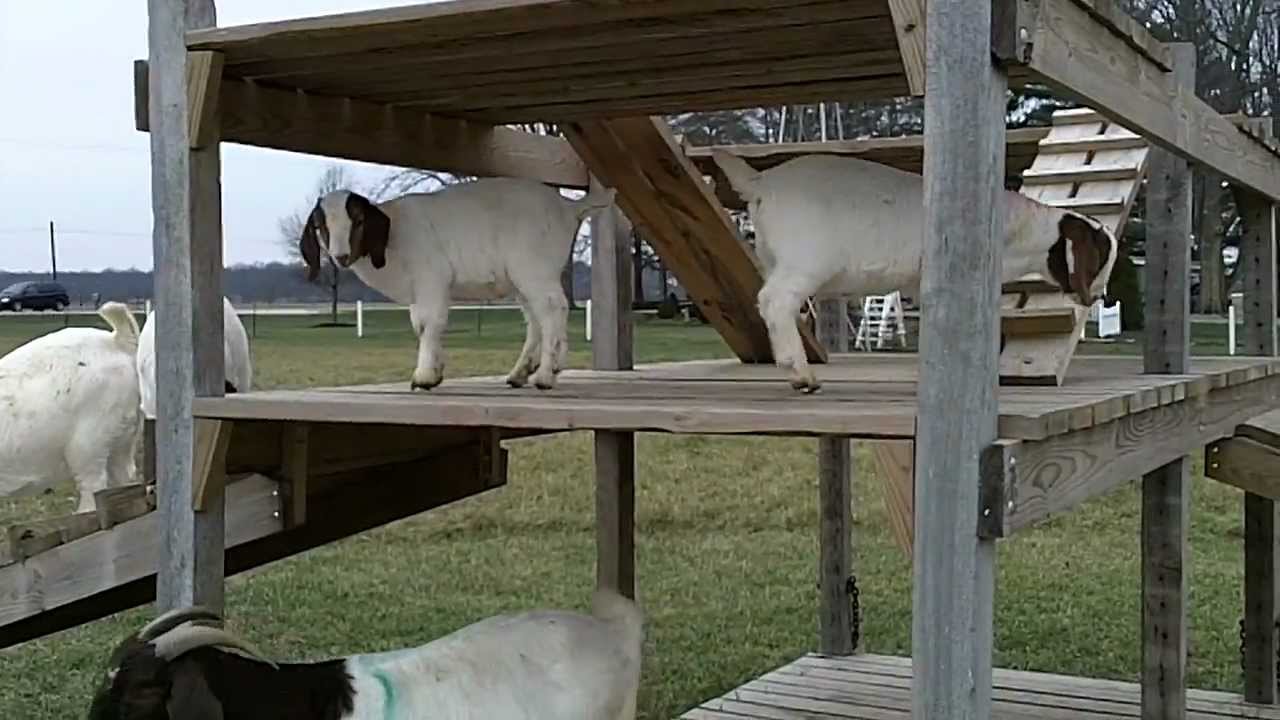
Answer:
(334, 178)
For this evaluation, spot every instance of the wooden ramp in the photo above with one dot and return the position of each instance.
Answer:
(663, 193)
(878, 687)
(290, 488)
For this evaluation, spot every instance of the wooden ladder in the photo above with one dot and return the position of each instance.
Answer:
(1088, 164)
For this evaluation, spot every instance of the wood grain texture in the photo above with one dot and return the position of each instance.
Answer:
(895, 464)
(879, 687)
(612, 349)
(665, 197)
(1250, 464)
(1105, 72)
(120, 504)
(835, 525)
(209, 461)
(125, 553)
(204, 86)
(953, 571)
(908, 26)
(368, 132)
(1166, 490)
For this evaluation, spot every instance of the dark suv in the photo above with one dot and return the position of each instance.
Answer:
(34, 296)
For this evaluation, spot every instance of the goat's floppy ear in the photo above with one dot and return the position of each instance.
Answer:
(189, 695)
(309, 244)
(1083, 252)
(372, 232)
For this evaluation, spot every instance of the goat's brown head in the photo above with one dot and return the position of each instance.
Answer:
(143, 681)
(346, 226)
(1081, 260)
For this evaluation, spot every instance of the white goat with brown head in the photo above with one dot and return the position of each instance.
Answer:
(830, 225)
(540, 665)
(483, 240)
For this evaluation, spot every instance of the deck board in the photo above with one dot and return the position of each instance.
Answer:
(864, 395)
(878, 687)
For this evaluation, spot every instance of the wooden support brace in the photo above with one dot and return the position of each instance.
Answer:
(1012, 23)
(908, 25)
(204, 85)
(209, 463)
(295, 468)
(1246, 464)
(120, 504)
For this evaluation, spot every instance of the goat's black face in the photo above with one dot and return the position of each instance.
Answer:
(135, 687)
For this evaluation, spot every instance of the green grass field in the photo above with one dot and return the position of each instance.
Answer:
(726, 547)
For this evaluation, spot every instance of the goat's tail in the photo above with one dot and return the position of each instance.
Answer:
(612, 607)
(124, 328)
(742, 177)
(598, 197)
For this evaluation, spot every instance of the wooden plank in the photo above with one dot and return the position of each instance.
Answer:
(665, 197)
(1038, 321)
(127, 552)
(895, 464)
(209, 461)
(204, 85)
(121, 504)
(954, 570)
(1105, 72)
(1166, 491)
(359, 130)
(29, 538)
(295, 469)
(1092, 143)
(612, 349)
(1261, 559)
(835, 476)
(908, 26)
(1120, 22)
(1246, 464)
(1082, 173)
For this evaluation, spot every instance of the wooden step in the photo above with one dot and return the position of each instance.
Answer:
(1077, 116)
(1093, 143)
(1089, 205)
(1083, 173)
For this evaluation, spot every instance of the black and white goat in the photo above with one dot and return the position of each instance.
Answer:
(830, 225)
(482, 240)
(538, 665)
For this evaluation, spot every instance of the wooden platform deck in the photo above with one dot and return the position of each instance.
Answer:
(865, 395)
(878, 687)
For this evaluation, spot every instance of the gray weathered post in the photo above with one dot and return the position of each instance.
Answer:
(835, 615)
(1258, 265)
(954, 570)
(1166, 490)
(615, 452)
(187, 247)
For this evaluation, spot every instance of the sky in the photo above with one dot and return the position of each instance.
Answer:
(69, 152)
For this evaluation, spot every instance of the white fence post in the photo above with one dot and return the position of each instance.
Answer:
(359, 318)
(588, 319)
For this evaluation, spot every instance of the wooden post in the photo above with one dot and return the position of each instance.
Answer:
(954, 570)
(615, 452)
(1166, 490)
(1261, 576)
(187, 246)
(835, 616)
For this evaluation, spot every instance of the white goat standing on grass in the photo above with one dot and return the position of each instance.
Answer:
(482, 240)
(235, 352)
(69, 409)
(538, 665)
(830, 225)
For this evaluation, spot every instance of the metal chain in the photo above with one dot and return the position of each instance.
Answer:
(855, 609)
(1242, 646)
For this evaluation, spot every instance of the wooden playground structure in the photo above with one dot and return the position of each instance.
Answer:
(982, 441)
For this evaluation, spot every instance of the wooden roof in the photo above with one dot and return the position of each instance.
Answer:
(529, 60)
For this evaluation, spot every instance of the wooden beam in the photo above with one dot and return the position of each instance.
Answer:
(1250, 466)
(1166, 491)
(954, 570)
(295, 468)
(1106, 72)
(615, 452)
(908, 25)
(664, 195)
(895, 464)
(359, 130)
(1056, 475)
(130, 551)
(209, 461)
(187, 245)
(204, 85)
(835, 494)
(1261, 518)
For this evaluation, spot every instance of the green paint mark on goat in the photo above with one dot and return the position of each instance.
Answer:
(389, 693)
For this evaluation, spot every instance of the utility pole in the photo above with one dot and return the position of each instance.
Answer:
(53, 252)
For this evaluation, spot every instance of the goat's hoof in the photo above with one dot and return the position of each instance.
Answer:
(425, 383)
(808, 386)
(544, 382)
(517, 381)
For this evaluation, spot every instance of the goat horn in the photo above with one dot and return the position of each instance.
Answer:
(189, 637)
(174, 618)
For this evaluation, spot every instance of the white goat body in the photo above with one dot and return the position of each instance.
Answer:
(536, 665)
(483, 240)
(235, 353)
(69, 409)
(830, 225)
